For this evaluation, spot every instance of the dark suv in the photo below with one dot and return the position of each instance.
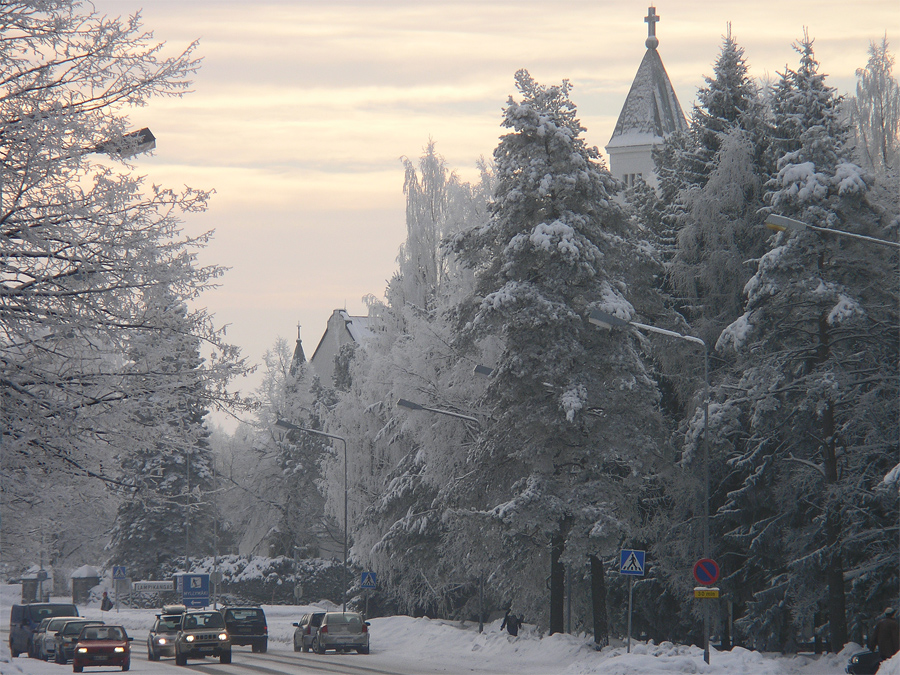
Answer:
(24, 619)
(247, 626)
(202, 633)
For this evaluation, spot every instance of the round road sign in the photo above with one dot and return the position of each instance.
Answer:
(706, 571)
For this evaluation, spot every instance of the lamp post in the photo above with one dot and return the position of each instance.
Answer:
(783, 223)
(608, 322)
(410, 405)
(293, 427)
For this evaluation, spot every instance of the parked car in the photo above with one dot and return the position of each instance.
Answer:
(202, 633)
(24, 619)
(102, 646)
(161, 638)
(45, 636)
(342, 631)
(864, 663)
(306, 630)
(67, 636)
(247, 626)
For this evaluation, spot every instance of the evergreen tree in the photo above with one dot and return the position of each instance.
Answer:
(573, 412)
(809, 416)
(168, 507)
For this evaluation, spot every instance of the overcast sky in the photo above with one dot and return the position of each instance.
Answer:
(303, 108)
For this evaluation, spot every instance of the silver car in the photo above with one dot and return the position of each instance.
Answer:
(45, 636)
(342, 631)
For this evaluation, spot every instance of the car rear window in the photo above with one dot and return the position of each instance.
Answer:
(353, 620)
(244, 615)
(74, 627)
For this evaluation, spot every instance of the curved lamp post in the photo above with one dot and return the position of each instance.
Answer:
(293, 427)
(783, 223)
(609, 322)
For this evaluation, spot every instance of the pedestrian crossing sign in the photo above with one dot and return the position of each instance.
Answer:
(368, 580)
(631, 562)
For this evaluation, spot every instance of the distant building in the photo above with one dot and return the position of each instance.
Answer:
(341, 329)
(651, 112)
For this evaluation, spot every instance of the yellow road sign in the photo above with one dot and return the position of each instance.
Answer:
(702, 592)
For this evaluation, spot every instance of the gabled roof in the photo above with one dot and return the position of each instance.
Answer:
(651, 111)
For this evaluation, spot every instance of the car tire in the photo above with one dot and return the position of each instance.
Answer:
(126, 665)
(225, 657)
(77, 668)
(61, 658)
(296, 646)
(304, 647)
(180, 660)
(13, 651)
(362, 650)
(151, 655)
(263, 646)
(317, 647)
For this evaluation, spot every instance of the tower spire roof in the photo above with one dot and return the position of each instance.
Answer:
(651, 110)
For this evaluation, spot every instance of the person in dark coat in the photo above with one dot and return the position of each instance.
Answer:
(886, 636)
(106, 603)
(511, 623)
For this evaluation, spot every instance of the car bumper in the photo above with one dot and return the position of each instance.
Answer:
(209, 649)
(91, 661)
(248, 639)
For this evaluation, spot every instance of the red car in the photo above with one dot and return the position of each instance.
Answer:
(102, 646)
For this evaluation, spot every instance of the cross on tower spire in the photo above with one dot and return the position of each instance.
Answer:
(651, 19)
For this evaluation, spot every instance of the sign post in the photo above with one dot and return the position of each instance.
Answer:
(706, 572)
(118, 575)
(368, 582)
(631, 563)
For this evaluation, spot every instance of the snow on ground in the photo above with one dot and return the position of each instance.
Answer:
(433, 643)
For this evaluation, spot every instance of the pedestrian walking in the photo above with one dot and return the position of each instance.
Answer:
(511, 623)
(106, 604)
(886, 636)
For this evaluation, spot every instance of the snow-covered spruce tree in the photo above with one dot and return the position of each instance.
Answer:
(83, 239)
(167, 491)
(717, 231)
(574, 421)
(813, 399)
(875, 111)
(401, 464)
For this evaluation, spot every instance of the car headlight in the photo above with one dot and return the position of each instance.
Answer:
(223, 636)
(189, 638)
(82, 650)
(119, 650)
(854, 660)
(161, 641)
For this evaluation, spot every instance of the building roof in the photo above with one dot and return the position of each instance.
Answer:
(651, 110)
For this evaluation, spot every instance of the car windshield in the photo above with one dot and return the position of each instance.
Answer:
(244, 615)
(41, 613)
(210, 620)
(169, 623)
(55, 625)
(73, 628)
(103, 633)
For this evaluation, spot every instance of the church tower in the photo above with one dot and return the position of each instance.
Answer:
(651, 112)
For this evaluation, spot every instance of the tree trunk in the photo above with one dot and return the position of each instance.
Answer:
(598, 602)
(557, 584)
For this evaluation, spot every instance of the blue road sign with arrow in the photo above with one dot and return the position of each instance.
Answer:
(631, 562)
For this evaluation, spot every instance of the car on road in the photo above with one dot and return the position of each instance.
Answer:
(102, 646)
(306, 630)
(202, 633)
(44, 636)
(161, 638)
(247, 626)
(24, 620)
(342, 631)
(67, 636)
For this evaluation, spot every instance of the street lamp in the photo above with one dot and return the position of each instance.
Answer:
(403, 403)
(609, 322)
(783, 223)
(293, 427)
